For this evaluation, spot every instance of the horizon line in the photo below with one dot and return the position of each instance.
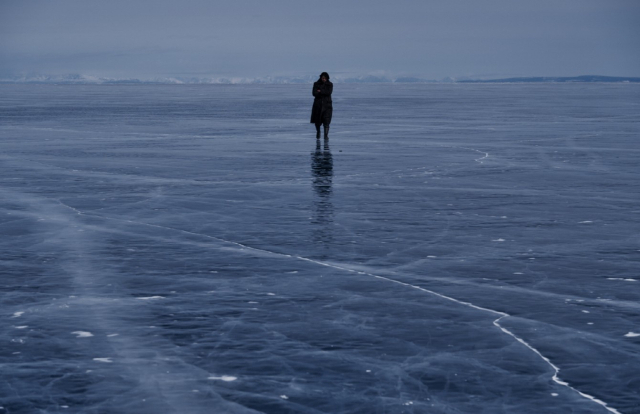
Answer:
(74, 78)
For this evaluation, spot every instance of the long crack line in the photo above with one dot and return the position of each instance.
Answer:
(496, 322)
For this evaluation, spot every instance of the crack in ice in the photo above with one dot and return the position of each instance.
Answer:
(486, 154)
(501, 315)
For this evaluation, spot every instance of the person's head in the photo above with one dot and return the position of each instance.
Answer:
(324, 76)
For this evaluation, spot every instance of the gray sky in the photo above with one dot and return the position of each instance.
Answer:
(249, 38)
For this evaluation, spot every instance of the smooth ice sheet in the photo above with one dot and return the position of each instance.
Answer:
(193, 249)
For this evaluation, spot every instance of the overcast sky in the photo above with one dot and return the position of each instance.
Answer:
(254, 38)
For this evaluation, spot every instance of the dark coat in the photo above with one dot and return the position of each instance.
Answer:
(322, 105)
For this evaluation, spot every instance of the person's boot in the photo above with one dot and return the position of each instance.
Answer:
(326, 132)
(317, 131)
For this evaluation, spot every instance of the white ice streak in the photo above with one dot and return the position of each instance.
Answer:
(632, 335)
(151, 298)
(17, 314)
(108, 360)
(227, 378)
(496, 322)
(82, 334)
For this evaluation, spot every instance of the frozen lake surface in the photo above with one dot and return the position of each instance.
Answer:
(192, 249)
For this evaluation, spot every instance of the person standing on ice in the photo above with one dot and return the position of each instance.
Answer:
(322, 106)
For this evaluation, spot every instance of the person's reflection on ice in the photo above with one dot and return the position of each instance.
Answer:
(322, 171)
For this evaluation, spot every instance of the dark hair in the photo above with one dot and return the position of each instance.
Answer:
(325, 74)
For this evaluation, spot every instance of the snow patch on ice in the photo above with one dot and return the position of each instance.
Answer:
(227, 378)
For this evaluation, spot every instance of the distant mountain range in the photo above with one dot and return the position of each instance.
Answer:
(586, 78)
(84, 79)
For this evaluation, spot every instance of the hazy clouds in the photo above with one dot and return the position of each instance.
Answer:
(432, 39)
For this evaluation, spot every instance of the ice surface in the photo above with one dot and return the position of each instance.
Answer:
(193, 249)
